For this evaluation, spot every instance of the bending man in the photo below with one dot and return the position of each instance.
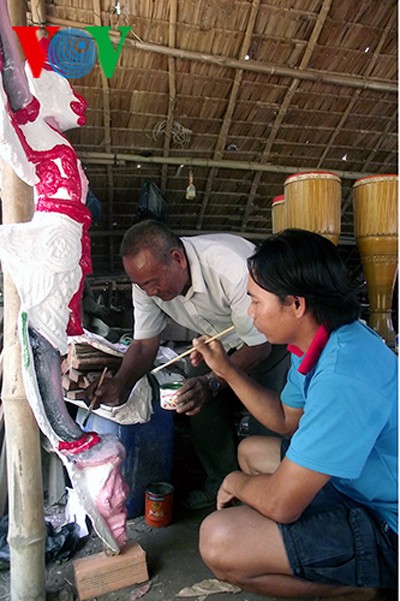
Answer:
(200, 282)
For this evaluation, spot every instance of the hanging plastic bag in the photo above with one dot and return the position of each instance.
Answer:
(152, 204)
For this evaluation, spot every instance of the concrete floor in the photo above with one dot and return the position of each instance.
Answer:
(173, 562)
(172, 556)
(172, 559)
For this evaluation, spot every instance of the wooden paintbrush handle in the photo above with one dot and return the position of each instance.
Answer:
(193, 348)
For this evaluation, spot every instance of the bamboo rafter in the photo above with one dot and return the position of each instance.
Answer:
(326, 77)
(173, 8)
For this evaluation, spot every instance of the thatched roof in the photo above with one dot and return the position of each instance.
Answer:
(243, 92)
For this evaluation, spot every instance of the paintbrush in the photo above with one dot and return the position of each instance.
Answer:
(93, 401)
(193, 348)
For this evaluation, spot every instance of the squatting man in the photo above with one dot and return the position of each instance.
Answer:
(323, 520)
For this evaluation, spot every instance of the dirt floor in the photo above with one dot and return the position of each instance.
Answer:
(172, 556)
(173, 564)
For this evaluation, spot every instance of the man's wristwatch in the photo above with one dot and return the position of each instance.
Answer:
(213, 384)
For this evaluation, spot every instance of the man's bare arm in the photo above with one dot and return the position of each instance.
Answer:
(263, 404)
(281, 496)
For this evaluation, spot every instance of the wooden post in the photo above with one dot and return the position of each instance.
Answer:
(26, 535)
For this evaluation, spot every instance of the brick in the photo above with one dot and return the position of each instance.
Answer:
(101, 574)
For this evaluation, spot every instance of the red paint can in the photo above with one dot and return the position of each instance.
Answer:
(158, 504)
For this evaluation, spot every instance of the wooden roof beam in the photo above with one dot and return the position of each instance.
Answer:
(345, 240)
(104, 158)
(324, 77)
(107, 142)
(173, 12)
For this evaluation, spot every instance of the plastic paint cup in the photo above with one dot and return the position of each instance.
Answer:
(158, 504)
(168, 395)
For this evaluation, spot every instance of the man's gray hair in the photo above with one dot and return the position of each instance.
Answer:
(150, 235)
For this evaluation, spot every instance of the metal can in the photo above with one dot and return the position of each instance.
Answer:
(158, 504)
(168, 394)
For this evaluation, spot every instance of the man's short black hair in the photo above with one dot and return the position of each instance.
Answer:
(302, 263)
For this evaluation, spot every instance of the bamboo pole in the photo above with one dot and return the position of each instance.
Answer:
(323, 77)
(118, 159)
(173, 12)
(107, 142)
(26, 534)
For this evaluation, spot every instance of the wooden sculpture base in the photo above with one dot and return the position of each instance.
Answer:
(100, 574)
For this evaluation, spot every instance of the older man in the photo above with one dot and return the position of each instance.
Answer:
(201, 283)
(324, 519)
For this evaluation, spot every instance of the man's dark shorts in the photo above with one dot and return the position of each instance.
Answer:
(337, 541)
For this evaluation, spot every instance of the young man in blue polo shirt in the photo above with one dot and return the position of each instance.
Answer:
(323, 521)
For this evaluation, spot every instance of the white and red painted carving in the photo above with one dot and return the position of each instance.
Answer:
(48, 259)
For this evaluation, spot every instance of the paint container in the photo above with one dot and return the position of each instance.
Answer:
(168, 394)
(158, 504)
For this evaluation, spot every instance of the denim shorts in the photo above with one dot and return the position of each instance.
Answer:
(337, 541)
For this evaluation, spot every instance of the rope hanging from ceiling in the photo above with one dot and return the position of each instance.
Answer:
(180, 135)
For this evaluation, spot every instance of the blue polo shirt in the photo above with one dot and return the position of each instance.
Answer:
(349, 426)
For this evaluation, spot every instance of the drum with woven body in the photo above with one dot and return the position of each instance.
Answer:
(313, 203)
(278, 214)
(376, 231)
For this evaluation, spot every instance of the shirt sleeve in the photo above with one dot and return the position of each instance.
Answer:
(149, 319)
(342, 420)
(239, 301)
(292, 395)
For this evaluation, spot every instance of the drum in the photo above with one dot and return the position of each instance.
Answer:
(375, 201)
(313, 202)
(278, 214)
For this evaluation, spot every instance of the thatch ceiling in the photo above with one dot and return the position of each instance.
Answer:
(246, 92)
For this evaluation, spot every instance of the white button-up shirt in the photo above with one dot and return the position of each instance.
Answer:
(216, 299)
